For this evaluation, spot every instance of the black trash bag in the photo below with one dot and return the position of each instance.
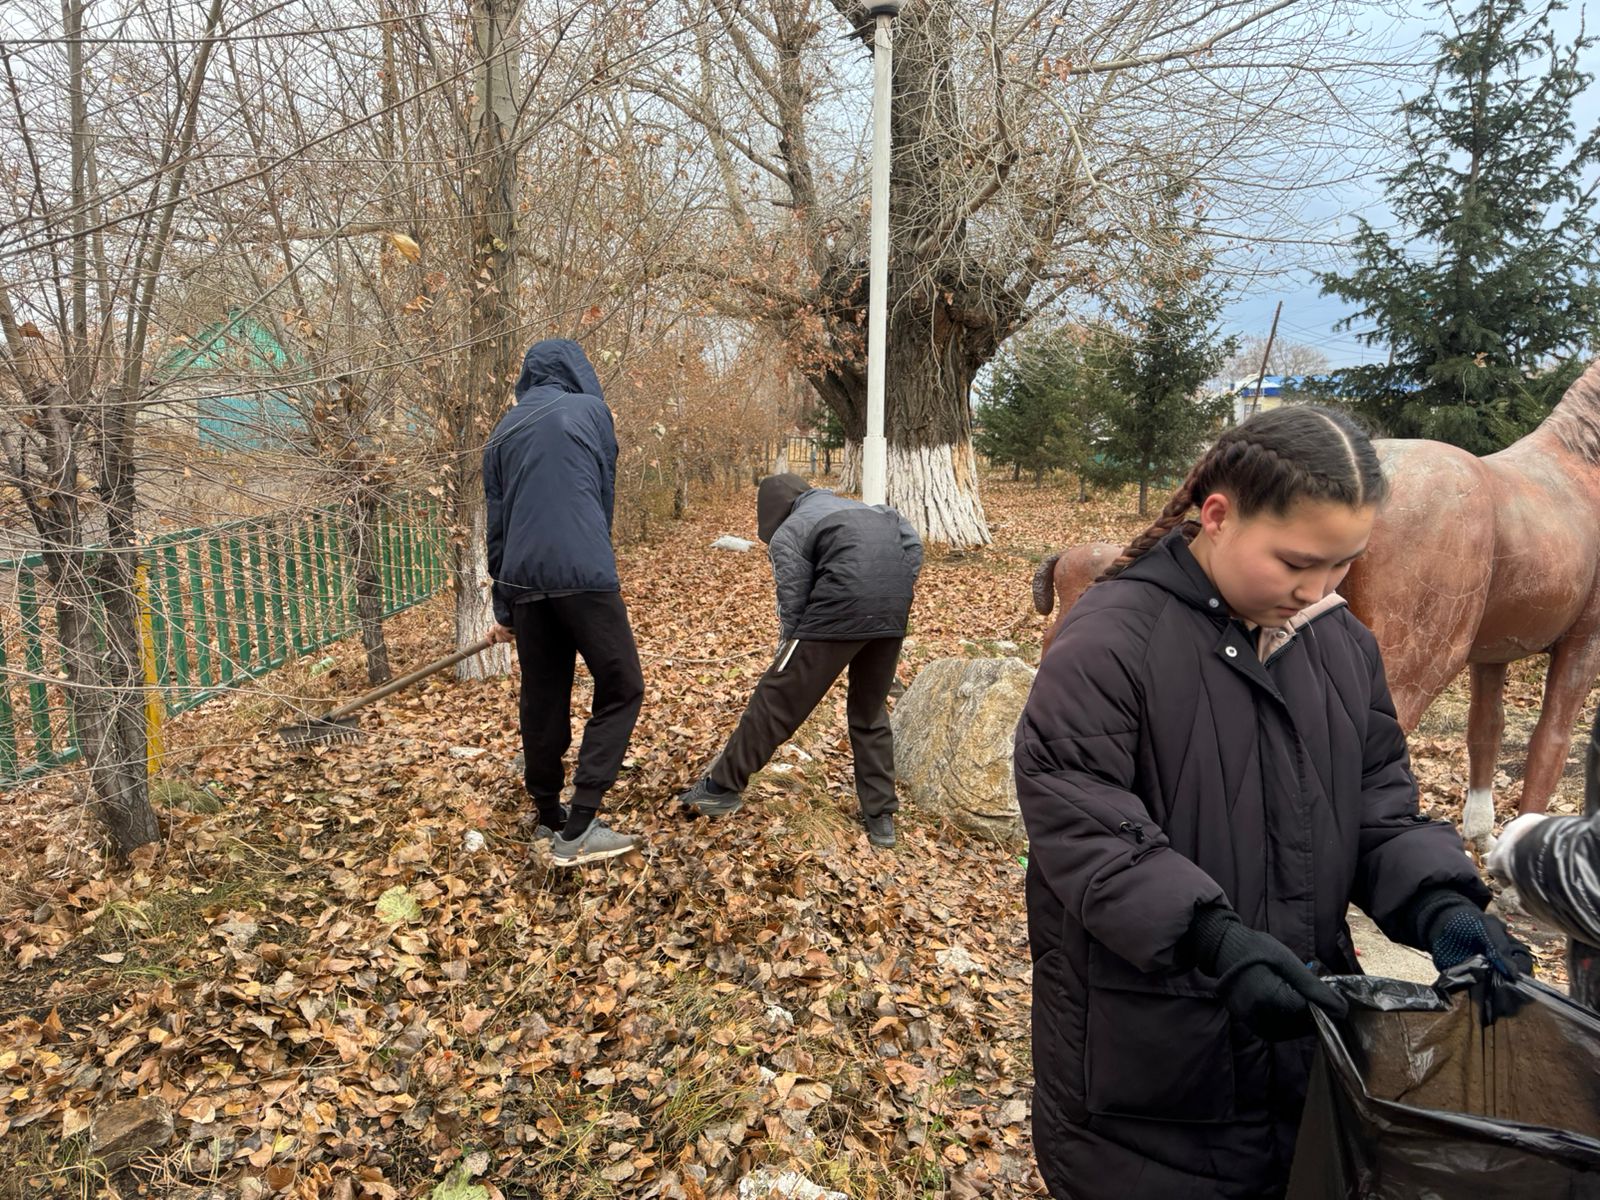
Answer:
(1477, 1088)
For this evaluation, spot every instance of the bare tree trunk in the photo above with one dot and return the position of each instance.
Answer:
(109, 706)
(933, 471)
(339, 431)
(850, 467)
(122, 783)
(362, 545)
(491, 321)
(474, 614)
(87, 392)
(109, 696)
(105, 687)
(947, 312)
(935, 488)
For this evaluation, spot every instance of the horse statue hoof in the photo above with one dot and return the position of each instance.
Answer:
(1477, 820)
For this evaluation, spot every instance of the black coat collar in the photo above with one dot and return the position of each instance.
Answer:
(1172, 566)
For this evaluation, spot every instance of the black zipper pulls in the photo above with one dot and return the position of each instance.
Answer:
(1134, 828)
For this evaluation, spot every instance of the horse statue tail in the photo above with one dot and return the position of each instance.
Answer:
(1044, 591)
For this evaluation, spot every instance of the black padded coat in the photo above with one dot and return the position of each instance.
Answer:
(1165, 761)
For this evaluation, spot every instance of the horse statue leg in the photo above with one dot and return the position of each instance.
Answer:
(1486, 725)
(1574, 663)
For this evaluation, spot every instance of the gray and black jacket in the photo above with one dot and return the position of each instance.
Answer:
(845, 571)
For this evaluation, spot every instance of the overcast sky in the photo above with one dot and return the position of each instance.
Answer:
(1309, 317)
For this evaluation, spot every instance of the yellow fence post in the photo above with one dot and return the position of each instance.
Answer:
(154, 707)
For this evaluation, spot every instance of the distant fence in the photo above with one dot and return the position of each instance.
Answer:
(806, 455)
(226, 603)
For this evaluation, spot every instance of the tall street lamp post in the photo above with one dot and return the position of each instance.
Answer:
(874, 449)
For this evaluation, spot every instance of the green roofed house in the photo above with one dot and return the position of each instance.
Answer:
(224, 375)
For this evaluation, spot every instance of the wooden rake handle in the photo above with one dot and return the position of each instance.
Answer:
(405, 681)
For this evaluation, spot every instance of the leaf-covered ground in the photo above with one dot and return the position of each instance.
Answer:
(338, 997)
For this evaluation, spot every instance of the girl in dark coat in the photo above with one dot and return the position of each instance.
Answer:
(1210, 771)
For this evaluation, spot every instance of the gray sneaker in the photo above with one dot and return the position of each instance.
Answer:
(707, 803)
(593, 844)
(880, 830)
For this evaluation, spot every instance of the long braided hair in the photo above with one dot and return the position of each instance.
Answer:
(1267, 463)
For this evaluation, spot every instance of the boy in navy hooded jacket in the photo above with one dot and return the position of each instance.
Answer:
(549, 476)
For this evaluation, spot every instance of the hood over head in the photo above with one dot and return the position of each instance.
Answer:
(775, 496)
(560, 363)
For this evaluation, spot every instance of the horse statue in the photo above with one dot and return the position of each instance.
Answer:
(1474, 562)
(1063, 577)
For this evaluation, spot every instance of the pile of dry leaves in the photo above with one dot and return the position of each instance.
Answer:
(350, 973)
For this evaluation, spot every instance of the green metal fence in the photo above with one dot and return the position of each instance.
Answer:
(226, 604)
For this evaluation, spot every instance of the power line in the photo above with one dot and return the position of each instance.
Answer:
(230, 36)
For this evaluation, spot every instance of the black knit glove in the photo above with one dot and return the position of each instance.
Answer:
(1455, 929)
(1260, 979)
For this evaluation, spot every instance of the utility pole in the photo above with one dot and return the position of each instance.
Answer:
(1255, 403)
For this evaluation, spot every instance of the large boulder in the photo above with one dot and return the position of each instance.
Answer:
(952, 740)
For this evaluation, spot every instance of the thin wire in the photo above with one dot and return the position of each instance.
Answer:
(231, 36)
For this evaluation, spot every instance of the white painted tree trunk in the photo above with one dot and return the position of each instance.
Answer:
(474, 612)
(936, 489)
(849, 468)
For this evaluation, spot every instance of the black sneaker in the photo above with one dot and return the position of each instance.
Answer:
(708, 803)
(880, 830)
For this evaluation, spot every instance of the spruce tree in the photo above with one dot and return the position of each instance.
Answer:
(1158, 416)
(1044, 403)
(1486, 290)
(829, 432)
(1018, 416)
